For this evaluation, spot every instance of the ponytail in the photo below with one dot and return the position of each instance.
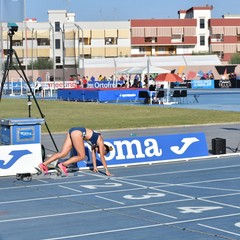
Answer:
(108, 148)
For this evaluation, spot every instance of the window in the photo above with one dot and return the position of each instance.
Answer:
(217, 38)
(161, 50)
(57, 26)
(43, 42)
(202, 23)
(58, 59)
(150, 40)
(57, 44)
(110, 41)
(17, 43)
(202, 40)
(86, 41)
(171, 50)
(177, 38)
(142, 50)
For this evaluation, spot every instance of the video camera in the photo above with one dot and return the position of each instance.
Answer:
(13, 27)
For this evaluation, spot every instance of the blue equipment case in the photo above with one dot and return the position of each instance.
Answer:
(20, 131)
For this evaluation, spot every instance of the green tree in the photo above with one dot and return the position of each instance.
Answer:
(13, 65)
(235, 59)
(41, 63)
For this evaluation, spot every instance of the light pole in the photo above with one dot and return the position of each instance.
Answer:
(26, 47)
(53, 52)
(32, 52)
(80, 29)
(63, 53)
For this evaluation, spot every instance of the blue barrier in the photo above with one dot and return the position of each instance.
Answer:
(99, 95)
(136, 150)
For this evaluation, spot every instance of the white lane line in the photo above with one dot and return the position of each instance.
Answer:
(165, 184)
(214, 180)
(108, 199)
(140, 181)
(219, 203)
(49, 215)
(71, 189)
(68, 196)
(129, 229)
(218, 229)
(64, 181)
(104, 232)
(209, 188)
(88, 211)
(144, 209)
(183, 171)
(221, 195)
(42, 181)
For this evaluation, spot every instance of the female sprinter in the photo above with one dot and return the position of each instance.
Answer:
(75, 138)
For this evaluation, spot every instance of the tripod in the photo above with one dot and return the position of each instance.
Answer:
(8, 65)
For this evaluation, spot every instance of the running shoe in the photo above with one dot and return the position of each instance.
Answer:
(63, 168)
(43, 168)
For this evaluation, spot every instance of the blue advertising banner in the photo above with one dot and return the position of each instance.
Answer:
(203, 84)
(105, 84)
(134, 150)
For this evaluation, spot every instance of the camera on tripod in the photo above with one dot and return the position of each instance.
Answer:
(13, 27)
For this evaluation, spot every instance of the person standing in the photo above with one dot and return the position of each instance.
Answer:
(79, 81)
(85, 82)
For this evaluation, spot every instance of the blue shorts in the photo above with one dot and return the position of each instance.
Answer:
(81, 129)
(92, 140)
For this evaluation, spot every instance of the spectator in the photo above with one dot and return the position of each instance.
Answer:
(146, 80)
(39, 79)
(71, 78)
(100, 78)
(151, 81)
(211, 76)
(122, 78)
(93, 78)
(136, 81)
(79, 81)
(38, 87)
(84, 81)
(184, 78)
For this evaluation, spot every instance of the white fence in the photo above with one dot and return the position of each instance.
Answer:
(20, 87)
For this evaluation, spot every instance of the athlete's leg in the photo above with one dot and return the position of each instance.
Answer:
(78, 144)
(66, 148)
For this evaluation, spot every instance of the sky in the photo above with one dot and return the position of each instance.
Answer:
(123, 10)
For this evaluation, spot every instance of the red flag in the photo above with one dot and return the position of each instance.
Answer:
(191, 75)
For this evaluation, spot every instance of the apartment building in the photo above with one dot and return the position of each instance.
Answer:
(184, 36)
(225, 36)
(68, 42)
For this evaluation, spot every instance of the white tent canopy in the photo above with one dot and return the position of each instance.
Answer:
(143, 70)
(163, 61)
(155, 64)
